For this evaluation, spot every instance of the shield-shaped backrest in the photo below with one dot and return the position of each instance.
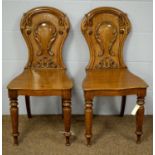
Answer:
(45, 30)
(105, 30)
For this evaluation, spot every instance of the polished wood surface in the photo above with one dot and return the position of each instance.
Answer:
(112, 79)
(105, 30)
(44, 30)
(41, 79)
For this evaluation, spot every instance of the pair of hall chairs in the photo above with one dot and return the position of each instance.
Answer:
(105, 30)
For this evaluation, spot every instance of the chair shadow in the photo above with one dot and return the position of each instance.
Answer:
(30, 124)
(105, 101)
(147, 132)
(27, 128)
(103, 130)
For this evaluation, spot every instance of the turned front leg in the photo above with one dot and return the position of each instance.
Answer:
(14, 118)
(67, 119)
(88, 120)
(139, 118)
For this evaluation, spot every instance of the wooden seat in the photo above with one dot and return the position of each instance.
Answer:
(41, 79)
(105, 30)
(44, 30)
(121, 79)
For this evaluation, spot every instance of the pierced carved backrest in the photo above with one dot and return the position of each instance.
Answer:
(105, 30)
(45, 30)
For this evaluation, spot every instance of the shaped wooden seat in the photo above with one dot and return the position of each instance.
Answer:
(45, 30)
(41, 79)
(105, 30)
(112, 79)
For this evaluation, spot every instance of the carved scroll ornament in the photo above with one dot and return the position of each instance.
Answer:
(105, 30)
(45, 34)
(43, 29)
(106, 34)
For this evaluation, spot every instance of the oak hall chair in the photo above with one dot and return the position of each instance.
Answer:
(44, 30)
(105, 30)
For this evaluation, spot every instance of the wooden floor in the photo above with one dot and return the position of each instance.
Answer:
(42, 135)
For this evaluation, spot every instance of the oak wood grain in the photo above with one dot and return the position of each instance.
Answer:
(44, 30)
(105, 30)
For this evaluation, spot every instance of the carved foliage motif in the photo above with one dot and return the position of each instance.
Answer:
(106, 34)
(44, 34)
(45, 62)
(106, 62)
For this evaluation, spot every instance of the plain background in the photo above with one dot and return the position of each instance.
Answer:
(138, 52)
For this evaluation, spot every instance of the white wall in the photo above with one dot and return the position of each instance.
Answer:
(137, 52)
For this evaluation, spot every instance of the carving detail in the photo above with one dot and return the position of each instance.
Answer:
(45, 62)
(41, 27)
(105, 30)
(106, 62)
(124, 26)
(28, 30)
(45, 34)
(140, 101)
(106, 34)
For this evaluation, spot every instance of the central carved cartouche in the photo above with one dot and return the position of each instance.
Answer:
(45, 35)
(45, 30)
(106, 35)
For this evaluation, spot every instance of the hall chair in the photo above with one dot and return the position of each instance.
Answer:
(105, 30)
(44, 30)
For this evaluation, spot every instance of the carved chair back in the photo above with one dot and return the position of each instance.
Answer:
(105, 30)
(45, 30)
